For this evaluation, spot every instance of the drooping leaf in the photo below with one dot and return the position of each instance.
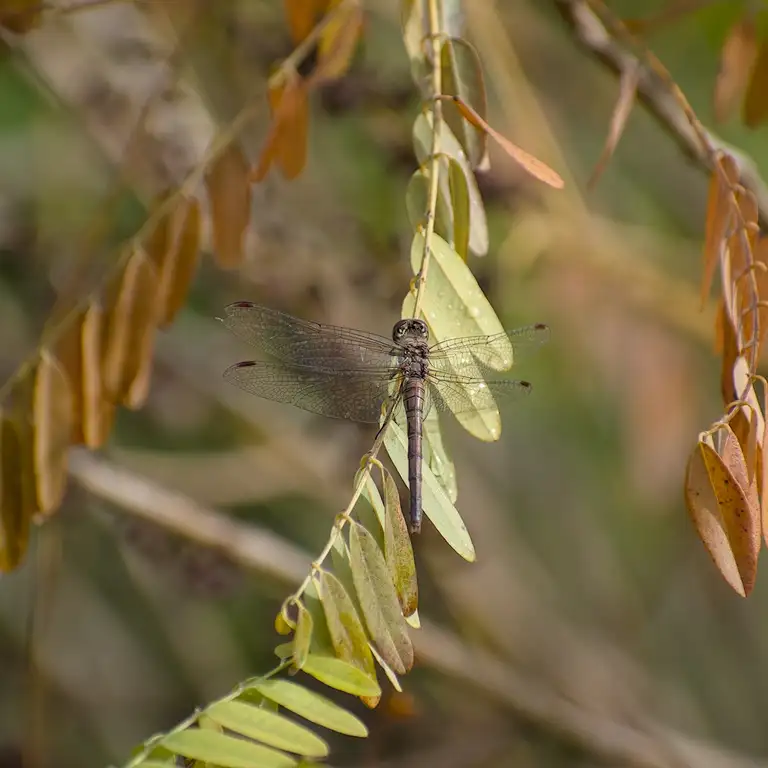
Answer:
(271, 728)
(15, 508)
(379, 601)
(449, 145)
(286, 143)
(454, 305)
(344, 625)
(229, 195)
(437, 506)
(302, 638)
(342, 676)
(338, 42)
(462, 76)
(436, 456)
(225, 751)
(175, 251)
(756, 100)
(460, 206)
(627, 90)
(321, 642)
(414, 27)
(737, 59)
(718, 218)
(312, 706)
(398, 549)
(372, 496)
(724, 509)
(52, 431)
(20, 16)
(532, 165)
(130, 323)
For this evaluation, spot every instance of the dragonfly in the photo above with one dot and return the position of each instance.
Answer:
(350, 374)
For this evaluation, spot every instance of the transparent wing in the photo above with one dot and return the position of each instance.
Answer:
(344, 394)
(304, 343)
(465, 394)
(498, 351)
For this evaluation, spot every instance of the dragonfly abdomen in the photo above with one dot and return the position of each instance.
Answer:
(413, 401)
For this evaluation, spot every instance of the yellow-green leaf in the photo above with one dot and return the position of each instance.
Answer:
(225, 751)
(449, 145)
(312, 706)
(379, 601)
(462, 76)
(344, 625)
(436, 504)
(398, 548)
(268, 727)
(341, 675)
(303, 636)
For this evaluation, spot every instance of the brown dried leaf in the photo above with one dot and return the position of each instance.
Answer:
(730, 355)
(131, 323)
(719, 217)
(20, 16)
(338, 43)
(760, 255)
(181, 263)
(627, 90)
(15, 509)
(229, 193)
(303, 15)
(286, 143)
(529, 163)
(756, 101)
(736, 61)
(97, 411)
(52, 429)
(69, 353)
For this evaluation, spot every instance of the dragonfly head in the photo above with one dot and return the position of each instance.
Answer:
(410, 329)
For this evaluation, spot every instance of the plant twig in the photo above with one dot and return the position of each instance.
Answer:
(650, 745)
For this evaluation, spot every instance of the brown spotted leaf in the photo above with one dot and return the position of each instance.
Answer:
(737, 59)
(51, 431)
(528, 162)
(229, 195)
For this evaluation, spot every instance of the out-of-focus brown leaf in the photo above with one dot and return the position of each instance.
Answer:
(229, 194)
(528, 162)
(730, 354)
(627, 90)
(286, 143)
(303, 15)
(724, 508)
(20, 16)
(15, 510)
(756, 100)
(69, 353)
(52, 430)
(131, 321)
(174, 249)
(337, 43)
(97, 410)
(719, 218)
(673, 11)
(737, 58)
(760, 255)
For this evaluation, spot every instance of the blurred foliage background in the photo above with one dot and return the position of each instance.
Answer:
(590, 585)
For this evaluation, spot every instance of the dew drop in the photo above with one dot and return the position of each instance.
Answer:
(474, 312)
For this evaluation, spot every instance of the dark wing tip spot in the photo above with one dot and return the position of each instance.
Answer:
(526, 385)
(244, 364)
(240, 304)
(541, 327)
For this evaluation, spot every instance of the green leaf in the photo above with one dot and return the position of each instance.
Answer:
(268, 727)
(378, 598)
(284, 650)
(158, 764)
(459, 194)
(454, 306)
(388, 671)
(303, 635)
(417, 202)
(346, 629)
(413, 24)
(312, 706)
(462, 76)
(437, 506)
(321, 638)
(225, 751)
(341, 675)
(449, 145)
(398, 548)
(373, 498)
(437, 457)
